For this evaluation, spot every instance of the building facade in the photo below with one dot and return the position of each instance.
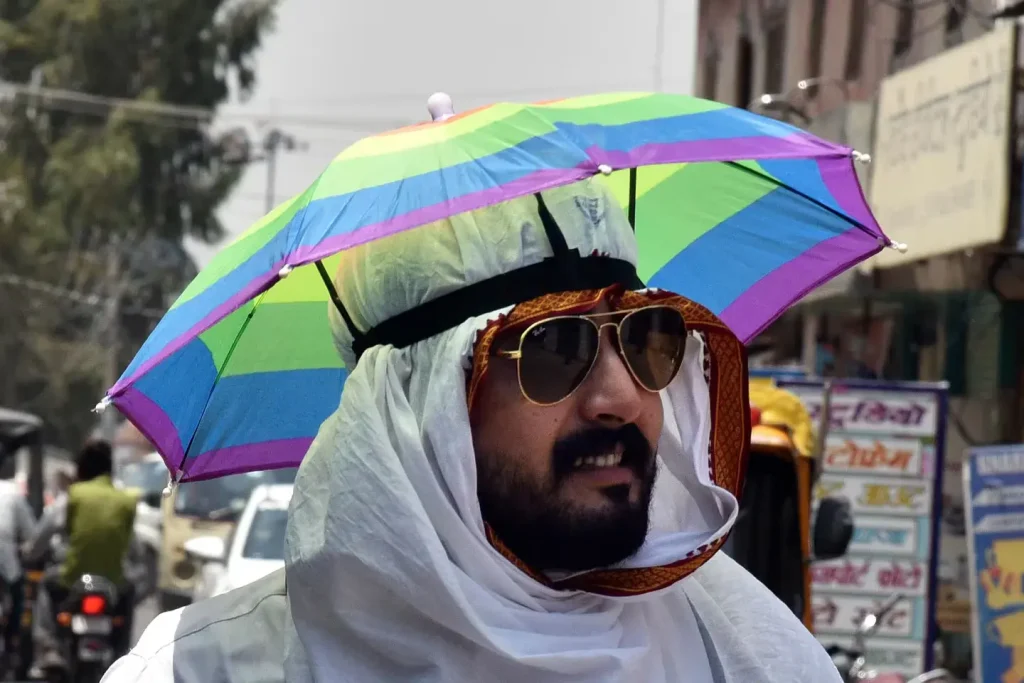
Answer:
(746, 48)
(954, 311)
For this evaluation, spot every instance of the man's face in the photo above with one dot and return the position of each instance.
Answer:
(567, 486)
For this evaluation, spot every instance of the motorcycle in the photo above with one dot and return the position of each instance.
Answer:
(6, 612)
(89, 630)
(852, 662)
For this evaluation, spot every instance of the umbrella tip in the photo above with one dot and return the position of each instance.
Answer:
(172, 484)
(440, 106)
(899, 246)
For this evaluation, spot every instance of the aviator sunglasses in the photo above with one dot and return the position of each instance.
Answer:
(555, 355)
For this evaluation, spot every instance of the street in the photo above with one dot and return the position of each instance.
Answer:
(144, 613)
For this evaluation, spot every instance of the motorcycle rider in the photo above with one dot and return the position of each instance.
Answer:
(98, 519)
(17, 524)
(49, 546)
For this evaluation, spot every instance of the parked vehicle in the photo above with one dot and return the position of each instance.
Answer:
(775, 537)
(254, 549)
(6, 649)
(19, 431)
(202, 508)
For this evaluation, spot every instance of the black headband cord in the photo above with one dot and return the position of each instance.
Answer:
(564, 271)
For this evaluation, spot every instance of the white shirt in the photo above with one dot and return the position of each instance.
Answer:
(240, 636)
(17, 524)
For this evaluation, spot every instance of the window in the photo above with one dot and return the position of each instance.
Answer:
(744, 72)
(709, 87)
(224, 498)
(266, 535)
(816, 42)
(775, 53)
(955, 15)
(855, 39)
(904, 29)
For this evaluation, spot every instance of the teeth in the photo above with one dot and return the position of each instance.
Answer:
(607, 460)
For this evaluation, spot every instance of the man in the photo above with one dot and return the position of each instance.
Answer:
(50, 545)
(98, 520)
(16, 525)
(528, 478)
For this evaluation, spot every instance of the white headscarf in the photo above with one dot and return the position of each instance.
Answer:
(390, 574)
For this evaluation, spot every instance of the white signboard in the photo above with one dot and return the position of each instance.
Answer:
(874, 412)
(882, 454)
(941, 162)
(888, 537)
(871, 576)
(840, 614)
(879, 495)
(872, 455)
(889, 654)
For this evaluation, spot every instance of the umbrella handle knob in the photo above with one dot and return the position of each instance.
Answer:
(440, 106)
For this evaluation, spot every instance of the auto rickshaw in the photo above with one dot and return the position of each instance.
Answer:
(772, 537)
(19, 431)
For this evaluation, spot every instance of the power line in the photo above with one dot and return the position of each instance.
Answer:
(91, 300)
(183, 116)
(382, 97)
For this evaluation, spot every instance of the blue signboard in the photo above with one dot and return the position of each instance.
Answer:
(994, 497)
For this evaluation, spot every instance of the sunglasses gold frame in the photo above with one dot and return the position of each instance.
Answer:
(517, 354)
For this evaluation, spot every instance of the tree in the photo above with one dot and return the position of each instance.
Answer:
(91, 192)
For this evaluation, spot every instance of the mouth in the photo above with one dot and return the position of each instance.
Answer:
(605, 469)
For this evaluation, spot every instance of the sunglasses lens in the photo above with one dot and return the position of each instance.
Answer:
(556, 356)
(653, 341)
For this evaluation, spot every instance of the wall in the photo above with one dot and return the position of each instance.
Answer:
(720, 23)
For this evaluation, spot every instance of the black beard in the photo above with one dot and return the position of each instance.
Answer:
(548, 533)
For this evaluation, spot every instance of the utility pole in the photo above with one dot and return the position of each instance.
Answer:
(108, 418)
(274, 141)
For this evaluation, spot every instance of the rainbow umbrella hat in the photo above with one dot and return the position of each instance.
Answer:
(740, 213)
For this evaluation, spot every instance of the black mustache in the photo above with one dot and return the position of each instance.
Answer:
(637, 452)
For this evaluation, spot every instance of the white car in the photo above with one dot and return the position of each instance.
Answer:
(254, 549)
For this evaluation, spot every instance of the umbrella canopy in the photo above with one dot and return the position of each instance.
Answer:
(738, 212)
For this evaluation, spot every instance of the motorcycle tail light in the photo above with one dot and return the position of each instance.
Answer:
(94, 604)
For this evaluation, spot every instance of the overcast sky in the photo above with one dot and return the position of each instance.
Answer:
(332, 73)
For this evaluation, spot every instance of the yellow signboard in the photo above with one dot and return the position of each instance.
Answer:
(940, 177)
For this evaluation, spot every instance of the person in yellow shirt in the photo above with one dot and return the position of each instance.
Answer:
(99, 521)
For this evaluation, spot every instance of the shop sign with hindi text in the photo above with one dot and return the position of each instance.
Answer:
(883, 453)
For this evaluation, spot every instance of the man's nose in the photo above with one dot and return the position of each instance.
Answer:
(610, 394)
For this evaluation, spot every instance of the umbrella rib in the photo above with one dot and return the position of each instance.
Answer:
(336, 300)
(778, 183)
(220, 373)
(632, 198)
